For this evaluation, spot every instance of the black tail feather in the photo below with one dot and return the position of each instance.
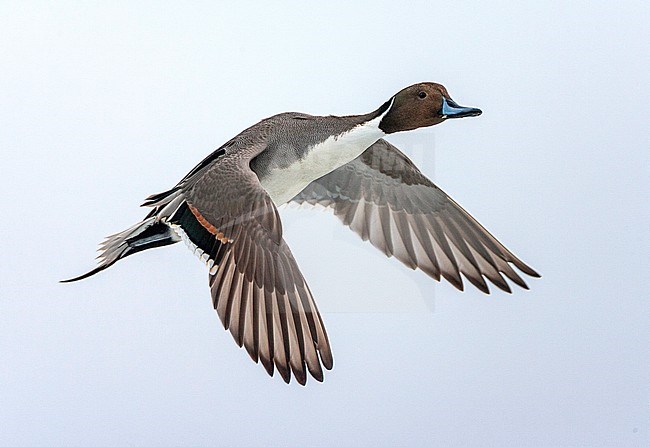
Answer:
(147, 234)
(97, 269)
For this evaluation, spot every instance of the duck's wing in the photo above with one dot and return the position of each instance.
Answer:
(383, 197)
(257, 288)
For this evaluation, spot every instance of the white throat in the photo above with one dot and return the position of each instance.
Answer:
(322, 158)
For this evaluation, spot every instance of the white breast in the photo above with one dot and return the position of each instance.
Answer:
(283, 184)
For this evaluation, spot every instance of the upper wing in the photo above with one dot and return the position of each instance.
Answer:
(257, 288)
(383, 197)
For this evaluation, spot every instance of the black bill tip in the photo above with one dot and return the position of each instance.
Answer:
(452, 110)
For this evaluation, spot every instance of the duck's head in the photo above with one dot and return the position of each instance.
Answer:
(422, 105)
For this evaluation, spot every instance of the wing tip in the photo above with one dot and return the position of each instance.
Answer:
(526, 269)
(327, 360)
(457, 282)
(301, 377)
(318, 377)
(268, 365)
(285, 373)
(533, 273)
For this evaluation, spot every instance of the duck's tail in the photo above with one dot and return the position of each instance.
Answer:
(152, 232)
(149, 233)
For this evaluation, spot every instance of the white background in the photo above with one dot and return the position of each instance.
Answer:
(101, 105)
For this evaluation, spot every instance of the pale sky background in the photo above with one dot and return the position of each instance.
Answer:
(101, 105)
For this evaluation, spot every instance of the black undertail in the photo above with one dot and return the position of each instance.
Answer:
(198, 234)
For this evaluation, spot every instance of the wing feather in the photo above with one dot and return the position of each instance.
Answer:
(382, 196)
(257, 288)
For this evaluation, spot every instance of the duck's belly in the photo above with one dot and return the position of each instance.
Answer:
(283, 184)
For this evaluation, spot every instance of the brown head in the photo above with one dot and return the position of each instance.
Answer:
(422, 105)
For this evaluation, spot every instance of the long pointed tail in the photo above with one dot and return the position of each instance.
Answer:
(147, 234)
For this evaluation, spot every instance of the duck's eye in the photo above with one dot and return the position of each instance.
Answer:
(422, 95)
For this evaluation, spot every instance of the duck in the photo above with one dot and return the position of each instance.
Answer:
(226, 211)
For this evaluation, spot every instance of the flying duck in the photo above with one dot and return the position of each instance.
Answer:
(225, 210)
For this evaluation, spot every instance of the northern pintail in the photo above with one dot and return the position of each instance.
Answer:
(225, 209)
